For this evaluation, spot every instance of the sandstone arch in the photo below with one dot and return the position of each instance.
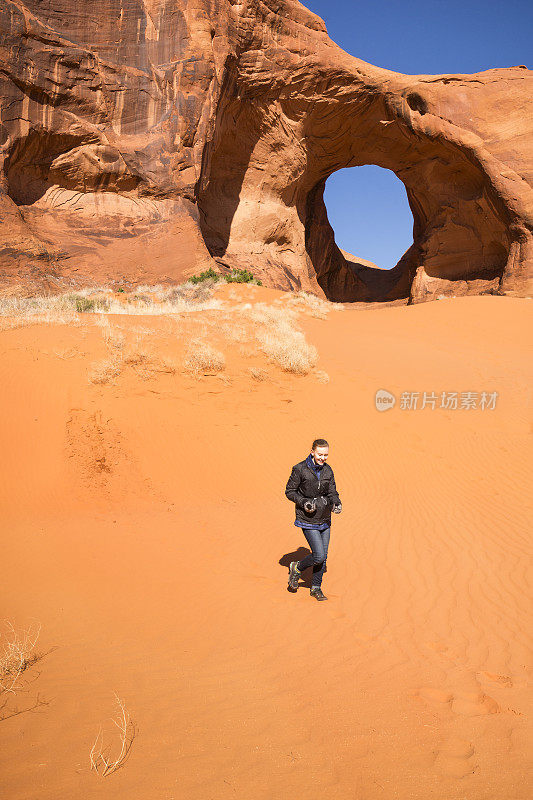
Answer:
(208, 131)
(264, 181)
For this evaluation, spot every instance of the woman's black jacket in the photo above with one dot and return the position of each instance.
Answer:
(303, 483)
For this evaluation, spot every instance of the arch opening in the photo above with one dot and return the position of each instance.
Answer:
(368, 210)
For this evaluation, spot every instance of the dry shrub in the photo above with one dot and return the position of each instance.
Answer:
(105, 371)
(267, 315)
(313, 305)
(115, 339)
(146, 364)
(322, 376)
(278, 337)
(112, 334)
(189, 292)
(169, 300)
(18, 653)
(259, 374)
(102, 762)
(288, 348)
(203, 357)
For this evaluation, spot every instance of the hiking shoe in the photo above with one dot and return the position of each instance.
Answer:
(294, 575)
(317, 592)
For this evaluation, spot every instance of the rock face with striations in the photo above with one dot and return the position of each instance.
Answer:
(144, 141)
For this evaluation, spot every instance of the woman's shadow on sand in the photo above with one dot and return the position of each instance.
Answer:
(297, 555)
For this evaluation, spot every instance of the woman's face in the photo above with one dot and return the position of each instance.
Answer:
(320, 454)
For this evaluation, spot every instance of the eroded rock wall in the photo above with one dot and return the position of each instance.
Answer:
(141, 140)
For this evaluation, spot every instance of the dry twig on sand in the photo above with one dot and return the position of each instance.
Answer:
(18, 654)
(101, 760)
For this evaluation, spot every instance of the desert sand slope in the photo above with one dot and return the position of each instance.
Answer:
(145, 527)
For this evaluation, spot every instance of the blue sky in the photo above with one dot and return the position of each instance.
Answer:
(411, 36)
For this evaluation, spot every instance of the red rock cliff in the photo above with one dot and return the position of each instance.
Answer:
(140, 140)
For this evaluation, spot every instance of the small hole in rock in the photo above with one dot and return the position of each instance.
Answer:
(417, 103)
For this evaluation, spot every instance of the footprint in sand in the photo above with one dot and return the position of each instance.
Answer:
(455, 758)
(503, 680)
(474, 704)
(468, 704)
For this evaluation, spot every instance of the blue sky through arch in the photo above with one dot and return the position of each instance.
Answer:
(369, 213)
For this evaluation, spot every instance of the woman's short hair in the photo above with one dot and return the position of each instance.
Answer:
(319, 443)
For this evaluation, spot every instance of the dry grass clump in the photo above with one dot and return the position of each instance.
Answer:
(112, 335)
(18, 653)
(105, 371)
(146, 365)
(288, 348)
(313, 305)
(102, 762)
(259, 374)
(114, 339)
(137, 356)
(168, 300)
(85, 305)
(266, 315)
(20, 311)
(190, 292)
(144, 362)
(203, 357)
(275, 331)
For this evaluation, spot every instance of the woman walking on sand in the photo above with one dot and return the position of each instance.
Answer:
(311, 487)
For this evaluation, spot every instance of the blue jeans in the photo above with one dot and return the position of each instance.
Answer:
(318, 542)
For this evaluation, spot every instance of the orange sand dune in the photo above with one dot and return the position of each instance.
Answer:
(145, 527)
